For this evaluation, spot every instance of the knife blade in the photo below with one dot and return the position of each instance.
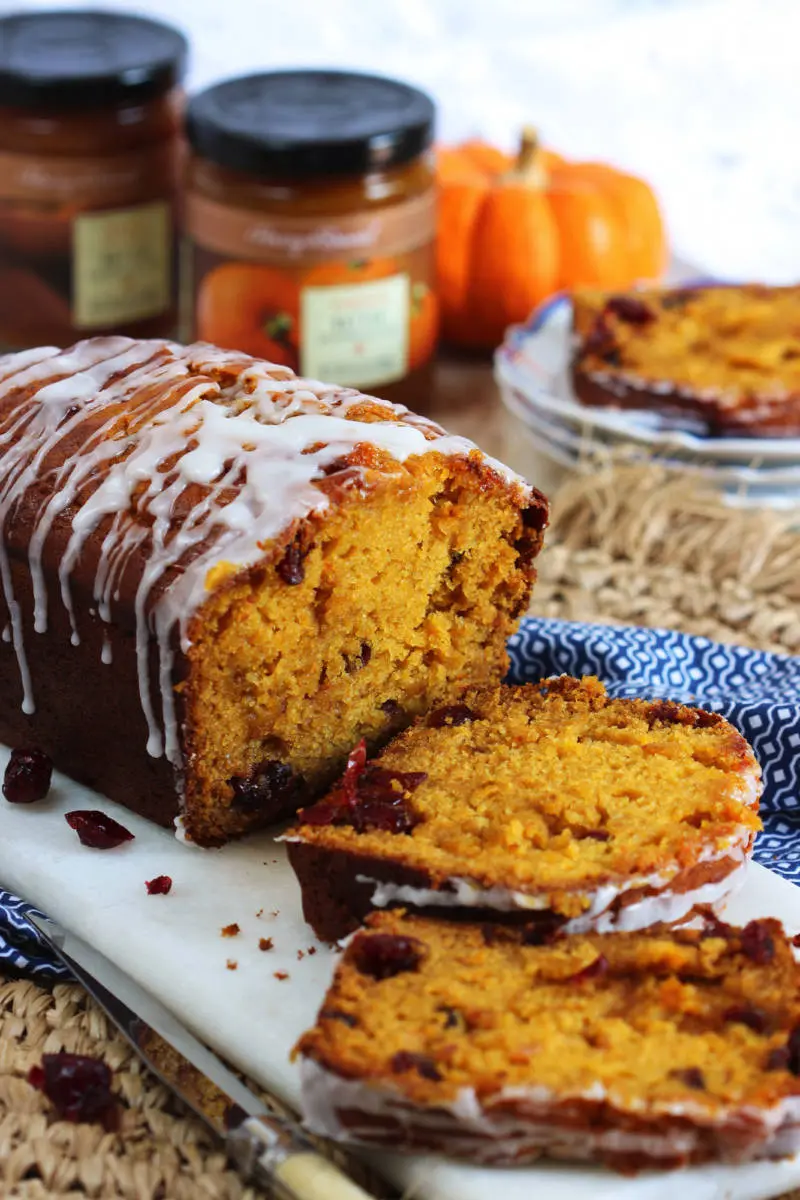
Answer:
(266, 1149)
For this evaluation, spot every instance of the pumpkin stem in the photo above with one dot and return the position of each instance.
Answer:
(528, 169)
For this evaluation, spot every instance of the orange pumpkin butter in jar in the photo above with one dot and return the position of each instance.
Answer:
(90, 134)
(311, 222)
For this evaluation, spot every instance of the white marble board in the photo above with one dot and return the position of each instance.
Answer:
(173, 946)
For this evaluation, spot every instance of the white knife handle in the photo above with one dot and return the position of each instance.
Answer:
(291, 1167)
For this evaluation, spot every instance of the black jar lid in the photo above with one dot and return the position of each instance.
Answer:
(299, 124)
(86, 58)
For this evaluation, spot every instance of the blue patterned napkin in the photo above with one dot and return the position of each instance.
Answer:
(757, 691)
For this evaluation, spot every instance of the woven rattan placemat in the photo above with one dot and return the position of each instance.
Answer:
(633, 545)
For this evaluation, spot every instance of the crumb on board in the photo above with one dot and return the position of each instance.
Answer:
(311, 950)
(265, 943)
(231, 964)
(281, 974)
(300, 954)
(230, 930)
(260, 912)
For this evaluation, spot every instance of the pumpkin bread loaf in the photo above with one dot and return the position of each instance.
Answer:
(725, 359)
(216, 577)
(552, 805)
(637, 1050)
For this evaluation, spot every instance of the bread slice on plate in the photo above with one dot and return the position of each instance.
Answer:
(725, 358)
(551, 805)
(632, 1049)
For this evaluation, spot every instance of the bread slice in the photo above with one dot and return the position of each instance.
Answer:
(636, 1050)
(551, 804)
(725, 359)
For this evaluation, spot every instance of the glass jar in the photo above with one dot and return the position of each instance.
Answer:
(90, 135)
(310, 213)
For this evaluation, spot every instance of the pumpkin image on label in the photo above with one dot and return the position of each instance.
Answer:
(251, 307)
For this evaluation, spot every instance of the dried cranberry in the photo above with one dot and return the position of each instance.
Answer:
(160, 886)
(291, 567)
(27, 776)
(612, 357)
(451, 714)
(630, 310)
(78, 1087)
(325, 813)
(336, 1014)
(97, 830)
(746, 1014)
(356, 765)
(391, 708)
(367, 799)
(599, 338)
(594, 970)
(757, 942)
(796, 941)
(381, 805)
(693, 1077)
(714, 928)
(387, 816)
(272, 784)
(383, 955)
(407, 1060)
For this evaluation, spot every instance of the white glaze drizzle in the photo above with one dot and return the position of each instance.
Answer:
(489, 1131)
(263, 434)
(600, 916)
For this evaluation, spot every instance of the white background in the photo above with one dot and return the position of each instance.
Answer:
(703, 96)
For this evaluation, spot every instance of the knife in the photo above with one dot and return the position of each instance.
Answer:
(266, 1149)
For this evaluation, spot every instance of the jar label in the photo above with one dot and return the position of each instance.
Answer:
(122, 265)
(292, 242)
(356, 334)
(88, 181)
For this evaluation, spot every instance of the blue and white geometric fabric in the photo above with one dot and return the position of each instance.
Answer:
(758, 692)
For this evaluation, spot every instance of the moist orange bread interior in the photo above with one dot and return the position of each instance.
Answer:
(706, 1018)
(405, 593)
(553, 788)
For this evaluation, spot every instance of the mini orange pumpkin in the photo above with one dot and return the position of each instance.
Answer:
(509, 236)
